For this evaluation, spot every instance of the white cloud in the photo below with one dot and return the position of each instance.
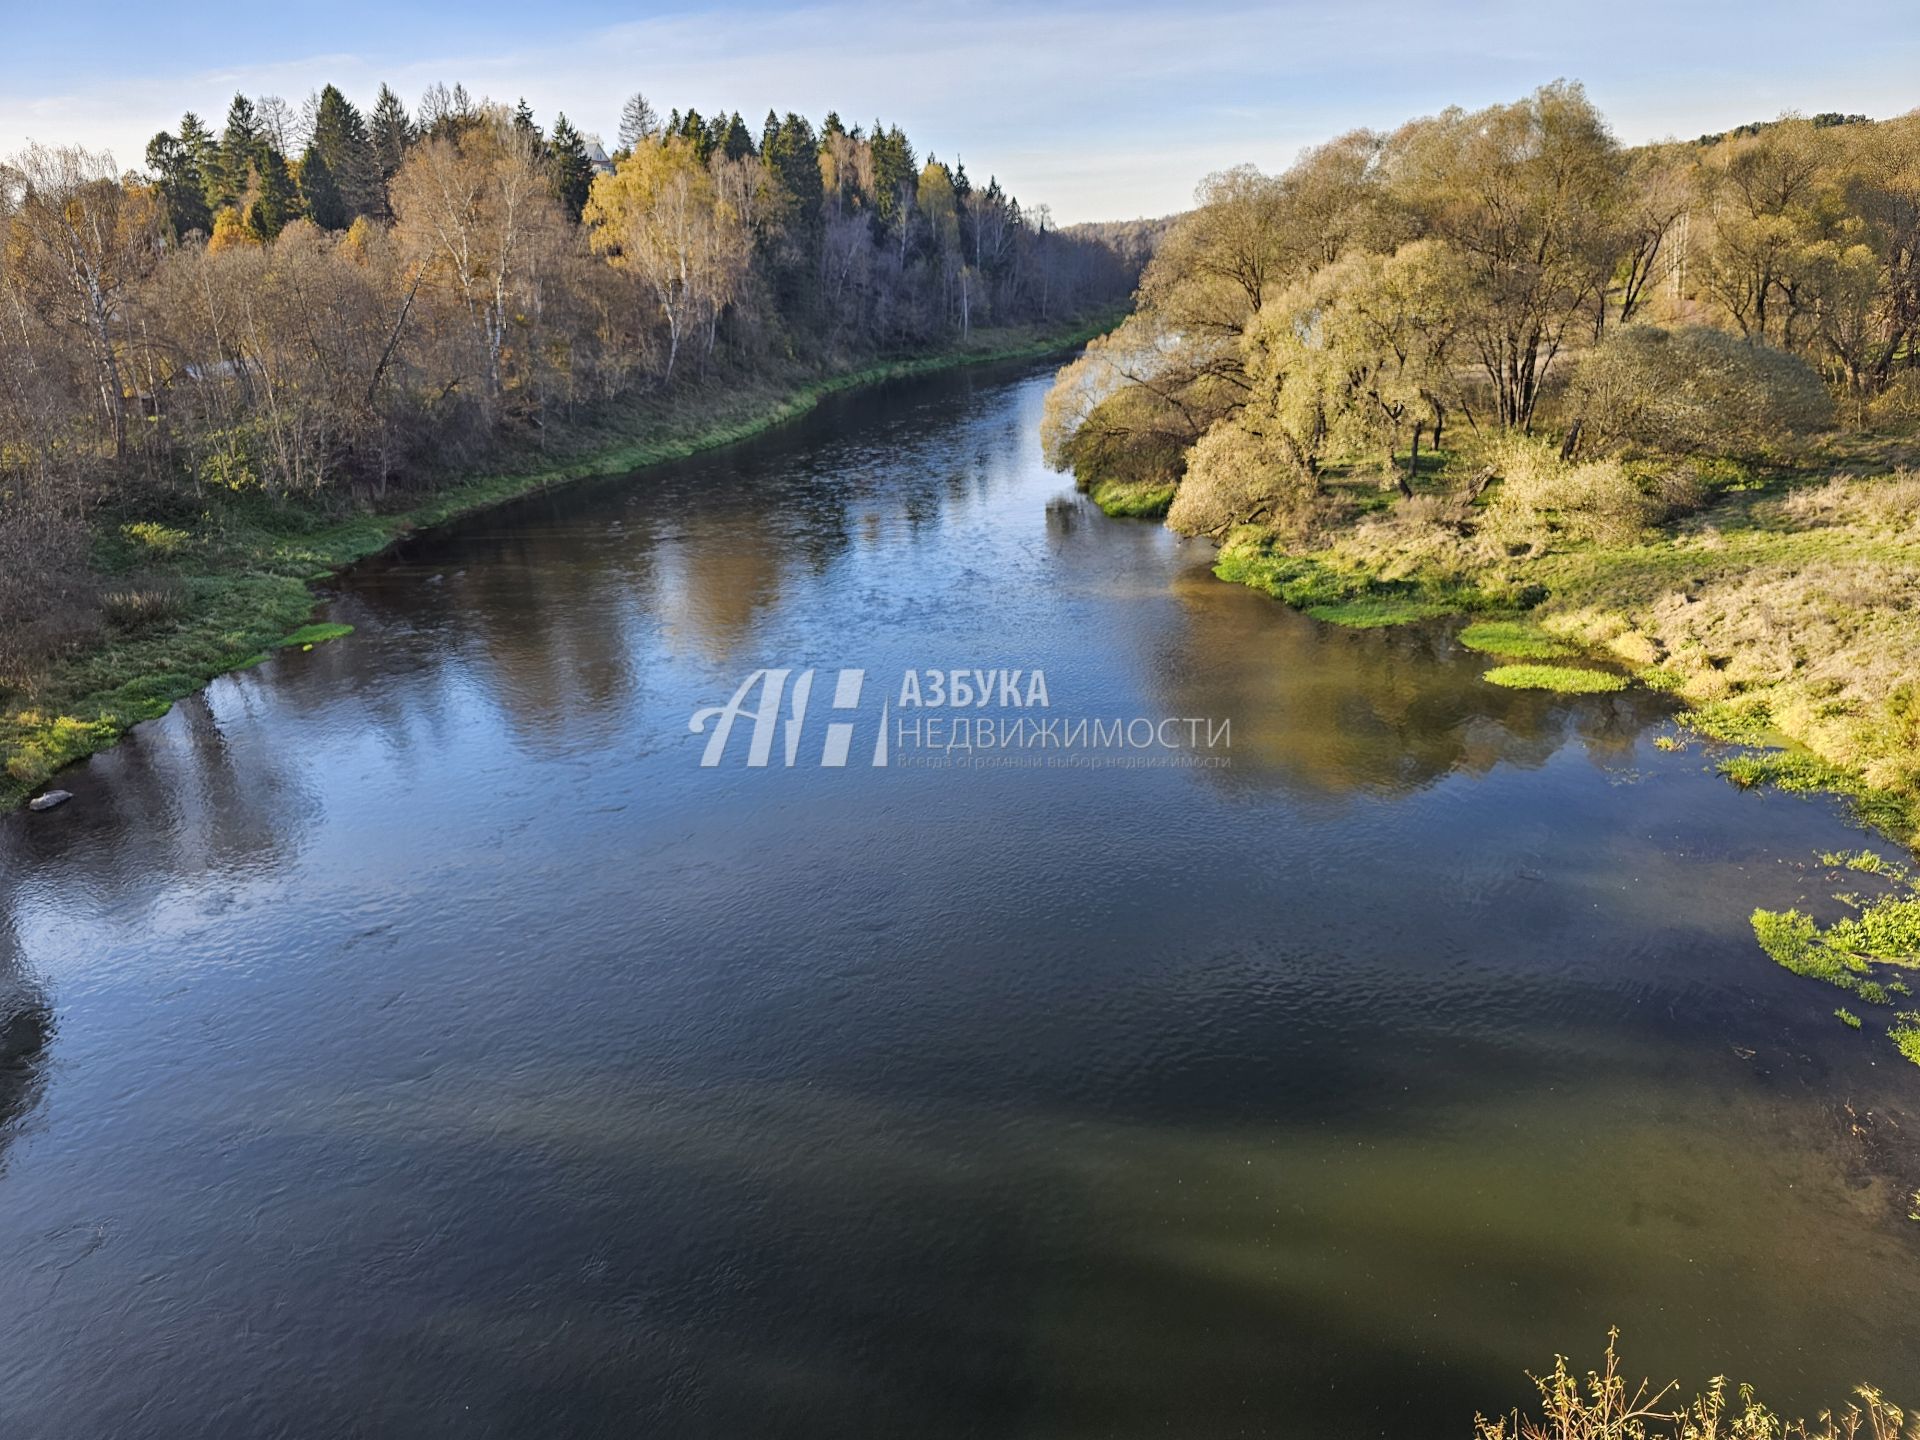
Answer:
(1096, 111)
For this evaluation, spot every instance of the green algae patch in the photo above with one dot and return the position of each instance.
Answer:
(1860, 952)
(1560, 679)
(1138, 499)
(1905, 1035)
(308, 636)
(1515, 639)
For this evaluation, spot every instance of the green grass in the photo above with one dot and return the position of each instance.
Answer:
(308, 636)
(1338, 595)
(1802, 773)
(1847, 1018)
(1561, 679)
(1142, 499)
(1782, 613)
(246, 564)
(1743, 721)
(1513, 638)
(1376, 612)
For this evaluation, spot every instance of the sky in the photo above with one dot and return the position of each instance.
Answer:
(1099, 111)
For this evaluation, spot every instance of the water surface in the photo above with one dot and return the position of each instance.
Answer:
(410, 1037)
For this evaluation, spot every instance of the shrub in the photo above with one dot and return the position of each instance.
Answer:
(137, 607)
(46, 590)
(1541, 497)
(1235, 477)
(1681, 391)
(1897, 408)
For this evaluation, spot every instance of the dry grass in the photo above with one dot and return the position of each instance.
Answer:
(1792, 603)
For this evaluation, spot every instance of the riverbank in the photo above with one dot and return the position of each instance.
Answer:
(1785, 612)
(196, 596)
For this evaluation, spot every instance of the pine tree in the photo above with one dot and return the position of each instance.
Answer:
(176, 163)
(389, 133)
(894, 178)
(569, 171)
(693, 128)
(239, 151)
(320, 193)
(340, 140)
(271, 198)
(793, 153)
(736, 141)
(638, 121)
(523, 120)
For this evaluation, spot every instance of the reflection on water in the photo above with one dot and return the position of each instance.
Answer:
(441, 1050)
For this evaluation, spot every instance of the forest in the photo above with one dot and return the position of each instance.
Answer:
(307, 316)
(1648, 404)
(327, 308)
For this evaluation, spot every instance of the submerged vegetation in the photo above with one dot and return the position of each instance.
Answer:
(1655, 405)
(1602, 1405)
(1866, 953)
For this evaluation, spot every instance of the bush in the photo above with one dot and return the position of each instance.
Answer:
(1694, 389)
(140, 606)
(1541, 496)
(1235, 477)
(46, 590)
(1897, 408)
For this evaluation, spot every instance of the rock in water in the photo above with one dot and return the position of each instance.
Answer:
(52, 800)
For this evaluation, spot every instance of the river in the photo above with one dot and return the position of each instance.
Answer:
(411, 1036)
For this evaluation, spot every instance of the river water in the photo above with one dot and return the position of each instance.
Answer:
(412, 1037)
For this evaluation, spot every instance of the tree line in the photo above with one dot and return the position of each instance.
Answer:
(1506, 270)
(336, 302)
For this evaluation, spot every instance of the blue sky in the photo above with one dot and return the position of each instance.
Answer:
(1100, 111)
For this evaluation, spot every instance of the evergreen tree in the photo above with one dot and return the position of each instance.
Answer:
(638, 121)
(894, 177)
(792, 155)
(340, 140)
(271, 199)
(569, 171)
(320, 193)
(239, 151)
(695, 130)
(736, 142)
(390, 133)
(177, 164)
(523, 120)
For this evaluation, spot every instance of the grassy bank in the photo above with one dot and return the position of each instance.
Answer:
(1785, 611)
(1138, 499)
(194, 595)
